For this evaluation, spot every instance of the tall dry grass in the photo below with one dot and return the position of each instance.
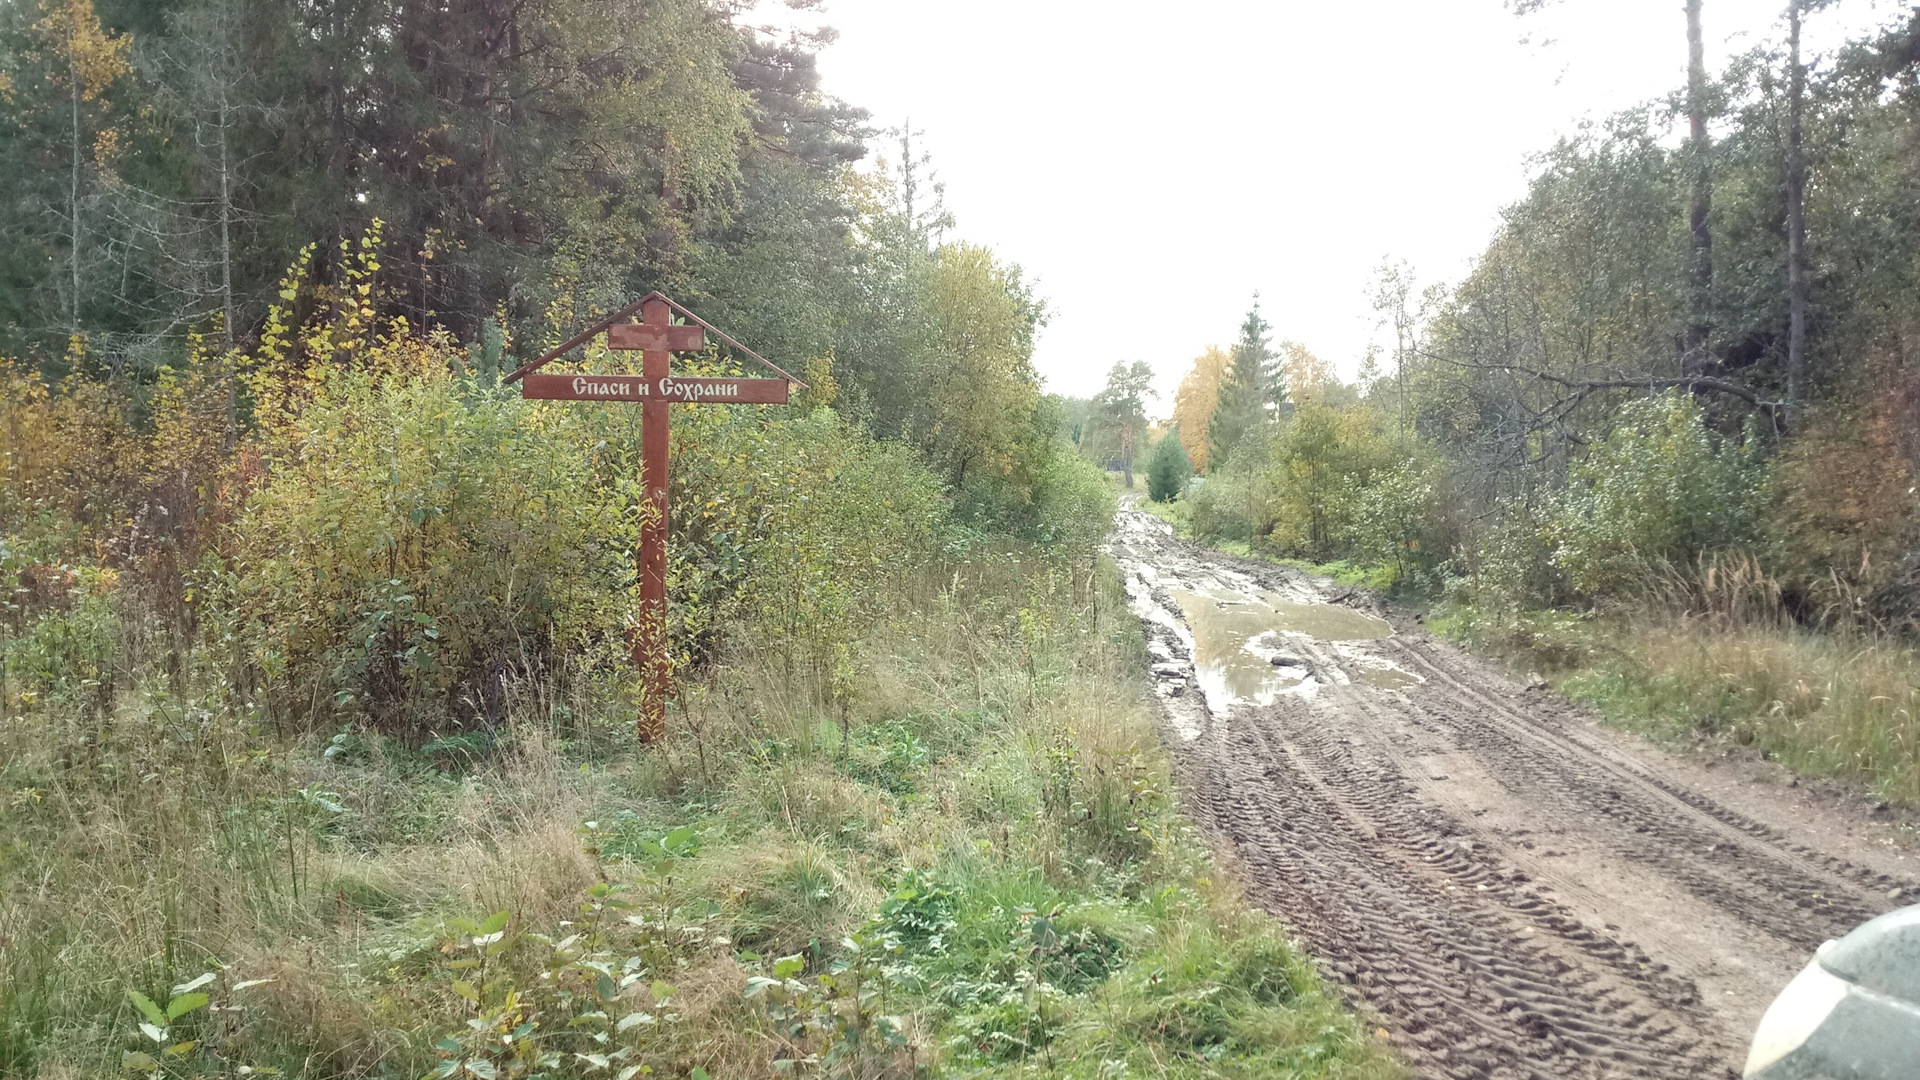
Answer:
(1715, 651)
(992, 735)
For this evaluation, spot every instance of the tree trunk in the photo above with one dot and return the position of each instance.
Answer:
(226, 228)
(232, 433)
(1700, 273)
(337, 98)
(73, 204)
(1796, 220)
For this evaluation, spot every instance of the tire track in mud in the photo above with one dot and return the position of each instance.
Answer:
(1813, 865)
(1686, 837)
(1428, 895)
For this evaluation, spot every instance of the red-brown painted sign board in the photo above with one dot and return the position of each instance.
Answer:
(673, 388)
(656, 339)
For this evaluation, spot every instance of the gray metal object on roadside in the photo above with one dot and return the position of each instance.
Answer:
(1853, 1013)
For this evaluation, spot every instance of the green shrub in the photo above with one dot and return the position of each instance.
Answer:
(1510, 567)
(1391, 520)
(1168, 469)
(798, 526)
(414, 538)
(1233, 504)
(68, 654)
(890, 756)
(1073, 503)
(1660, 489)
(418, 540)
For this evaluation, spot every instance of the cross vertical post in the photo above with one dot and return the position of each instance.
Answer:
(650, 635)
(656, 339)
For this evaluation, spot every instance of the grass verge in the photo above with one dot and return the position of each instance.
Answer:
(1712, 659)
(960, 858)
(1840, 706)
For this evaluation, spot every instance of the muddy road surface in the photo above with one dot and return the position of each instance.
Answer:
(1507, 889)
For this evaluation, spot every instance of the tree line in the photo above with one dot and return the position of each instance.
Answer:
(266, 264)
(532, 163)
(1693, 335)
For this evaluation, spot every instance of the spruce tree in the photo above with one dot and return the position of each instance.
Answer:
(1253, 389)
(1169, 468)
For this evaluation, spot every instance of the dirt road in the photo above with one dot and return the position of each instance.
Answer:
(1511, 890)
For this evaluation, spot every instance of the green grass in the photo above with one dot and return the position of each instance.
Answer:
(1378, 578)
(984, 876)
(1823, 705)
(1836, 705)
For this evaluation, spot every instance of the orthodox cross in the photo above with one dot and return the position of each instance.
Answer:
(656, 338)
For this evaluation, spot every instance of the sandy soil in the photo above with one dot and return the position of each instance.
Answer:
(1511, 890)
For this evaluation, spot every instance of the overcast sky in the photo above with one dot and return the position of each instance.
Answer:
(1152, 165)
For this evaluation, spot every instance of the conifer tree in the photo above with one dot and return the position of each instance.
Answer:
(1119, 413)
(1253, 390)
(1168, 469)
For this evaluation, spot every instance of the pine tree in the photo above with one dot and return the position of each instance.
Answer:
(1169, 468)
(1253, 390)
(1120, 415)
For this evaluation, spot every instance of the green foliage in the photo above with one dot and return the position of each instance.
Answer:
(1336, 485)
(1254, 386)
(890, 756)
(67, 654)
(591, 1003)
(178, 1038)
(1234, 503)
(416, 538)
(422, 541)
(837, 1020)
(1392, 520)
(1072, 504)
(1169, 469)
(796, 527)
(1659, 490)
(200, 181)
(977, 382)
(1117, 420)
(1510, 568)
(1323, 457)
(158, 1022)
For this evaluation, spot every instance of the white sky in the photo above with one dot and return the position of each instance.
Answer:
(1151, 165)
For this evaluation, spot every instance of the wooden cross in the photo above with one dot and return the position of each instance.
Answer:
(656, 338)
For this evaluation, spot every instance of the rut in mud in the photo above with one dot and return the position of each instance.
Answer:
(1511, 891)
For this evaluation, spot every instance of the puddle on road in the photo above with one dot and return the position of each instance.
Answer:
(1238, 636)
(1388, 678)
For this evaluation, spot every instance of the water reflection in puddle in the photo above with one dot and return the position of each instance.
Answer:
(1240, 640)
(1388, 678)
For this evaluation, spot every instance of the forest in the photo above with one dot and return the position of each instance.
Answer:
(317, 740)
(1660, 444)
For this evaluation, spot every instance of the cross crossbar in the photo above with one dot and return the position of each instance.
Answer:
(640, 337)
(656, 337)
(624, 314)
